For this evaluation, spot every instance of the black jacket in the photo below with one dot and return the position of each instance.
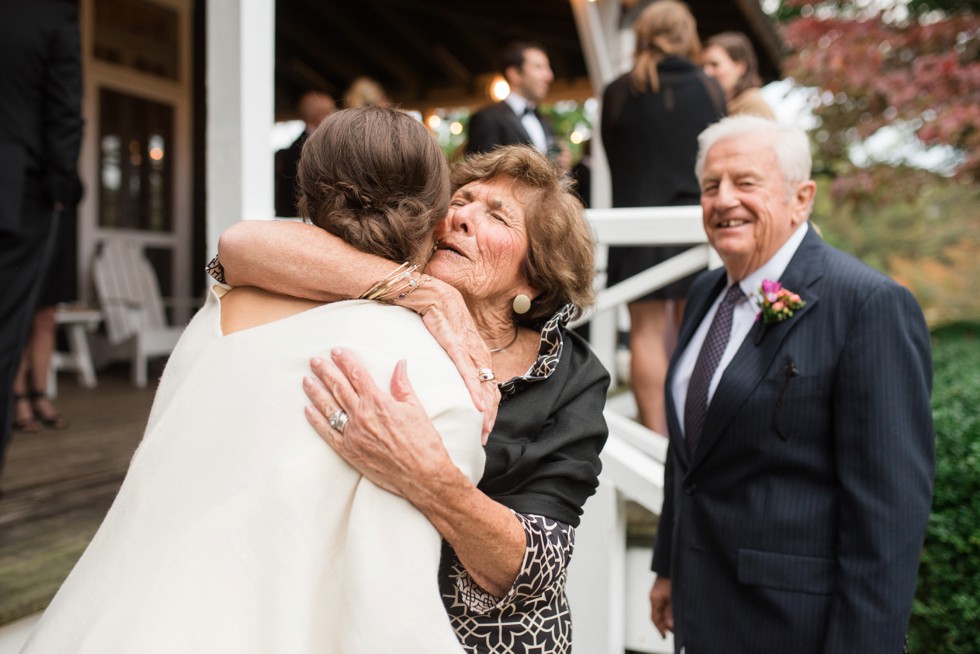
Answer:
(40, 105)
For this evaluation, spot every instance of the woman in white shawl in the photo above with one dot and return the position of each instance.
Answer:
(237, 529)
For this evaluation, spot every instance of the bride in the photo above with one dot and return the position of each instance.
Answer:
(237, 529)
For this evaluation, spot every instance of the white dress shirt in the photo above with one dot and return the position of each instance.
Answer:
(530, 121)
(743, 318)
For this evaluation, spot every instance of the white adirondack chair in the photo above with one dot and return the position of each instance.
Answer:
(130, 298)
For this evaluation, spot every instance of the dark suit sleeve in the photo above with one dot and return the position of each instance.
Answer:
(884, 448)
(484, 132)
(62, 109)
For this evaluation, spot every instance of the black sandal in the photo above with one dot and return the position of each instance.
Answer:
(52, 420)
(29, 425)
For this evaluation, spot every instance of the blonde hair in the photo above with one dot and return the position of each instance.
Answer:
(665, 28)
(365, 92)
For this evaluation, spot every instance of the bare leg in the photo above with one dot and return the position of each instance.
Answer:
(674, 328)
(41, 349)
(24, 419)
(649, 323)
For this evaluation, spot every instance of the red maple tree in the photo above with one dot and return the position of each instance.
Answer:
(875, 70)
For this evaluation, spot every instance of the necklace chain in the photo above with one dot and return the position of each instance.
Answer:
(501, 349)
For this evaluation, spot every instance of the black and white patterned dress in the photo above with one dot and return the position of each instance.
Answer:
(542, 462)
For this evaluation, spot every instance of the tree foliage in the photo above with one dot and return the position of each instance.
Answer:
(896, 66)
(876, 68)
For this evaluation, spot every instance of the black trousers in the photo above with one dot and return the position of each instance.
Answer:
(24, 257)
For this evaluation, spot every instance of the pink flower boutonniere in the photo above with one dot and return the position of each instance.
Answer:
(777, 303)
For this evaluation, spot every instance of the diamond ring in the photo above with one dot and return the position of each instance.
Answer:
(486, 374)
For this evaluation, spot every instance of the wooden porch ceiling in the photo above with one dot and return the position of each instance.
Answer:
(439, 52)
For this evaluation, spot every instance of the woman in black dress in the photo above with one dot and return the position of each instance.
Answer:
(33, 408)
(651, 117)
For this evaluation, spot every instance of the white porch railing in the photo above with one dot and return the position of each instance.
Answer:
(605, 620)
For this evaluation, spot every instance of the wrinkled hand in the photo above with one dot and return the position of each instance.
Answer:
(450, 323)
(661, 607)
(388, 438)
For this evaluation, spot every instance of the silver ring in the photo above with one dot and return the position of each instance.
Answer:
(338, 420)
(486, 374)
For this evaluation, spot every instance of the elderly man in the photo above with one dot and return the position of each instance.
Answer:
(799, 474)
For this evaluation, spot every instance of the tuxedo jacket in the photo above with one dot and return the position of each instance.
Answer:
(499, 125)
(798, 523)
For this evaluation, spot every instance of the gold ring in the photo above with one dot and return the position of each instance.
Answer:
(486, 374)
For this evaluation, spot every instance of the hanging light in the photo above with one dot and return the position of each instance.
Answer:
(499, 88)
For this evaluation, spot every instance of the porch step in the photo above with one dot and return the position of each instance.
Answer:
(641, 637)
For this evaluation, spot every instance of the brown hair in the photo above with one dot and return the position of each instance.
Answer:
(665, 28)
(560, 258)
(376, 178)
(739, 48)
(512, 54)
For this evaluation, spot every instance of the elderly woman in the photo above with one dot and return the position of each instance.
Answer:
(651, 118)
(237, 530)
(515, 251)
(730, 59)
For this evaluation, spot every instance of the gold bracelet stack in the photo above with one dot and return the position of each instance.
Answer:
(396, 285)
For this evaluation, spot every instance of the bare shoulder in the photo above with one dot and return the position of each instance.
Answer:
(245, 307)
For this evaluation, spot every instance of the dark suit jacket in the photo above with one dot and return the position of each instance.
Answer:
(40, 106)
(499, 125)
(287, 163)
(40, 132)
(797, 525)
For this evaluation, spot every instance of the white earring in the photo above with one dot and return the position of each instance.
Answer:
(522, 304)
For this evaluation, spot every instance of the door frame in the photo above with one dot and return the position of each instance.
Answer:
(99, 74)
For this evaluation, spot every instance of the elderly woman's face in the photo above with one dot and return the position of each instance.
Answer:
(483, 241)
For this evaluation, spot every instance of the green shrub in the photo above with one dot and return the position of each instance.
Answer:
(946, 614)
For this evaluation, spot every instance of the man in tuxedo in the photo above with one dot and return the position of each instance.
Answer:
(312, 107)
(800, 467)
(40, 133)
(516, 120)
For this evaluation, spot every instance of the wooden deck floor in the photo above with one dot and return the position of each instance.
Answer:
(58, 486)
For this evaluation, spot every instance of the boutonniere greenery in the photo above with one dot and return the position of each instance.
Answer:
(776, 303)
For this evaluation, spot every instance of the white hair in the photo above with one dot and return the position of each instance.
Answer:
(790, 143)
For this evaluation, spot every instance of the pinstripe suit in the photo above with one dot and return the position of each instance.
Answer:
(797, 525)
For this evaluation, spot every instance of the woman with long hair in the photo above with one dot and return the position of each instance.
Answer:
(651, 117)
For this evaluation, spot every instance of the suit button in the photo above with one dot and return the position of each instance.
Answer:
(691, 489)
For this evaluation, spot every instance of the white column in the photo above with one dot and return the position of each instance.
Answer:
(598, 31)
(596, 575)
(241, 58)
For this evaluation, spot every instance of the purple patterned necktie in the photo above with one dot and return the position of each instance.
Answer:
(696, 404)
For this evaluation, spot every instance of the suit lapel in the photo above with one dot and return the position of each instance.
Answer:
(514, 121)
(761, 345)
